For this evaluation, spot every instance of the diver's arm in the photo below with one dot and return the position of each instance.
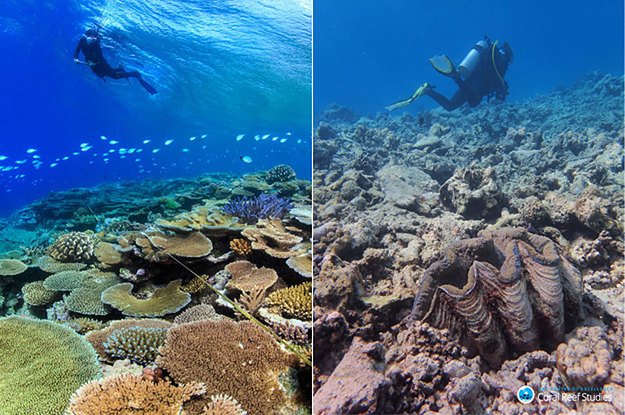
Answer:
(79, 47)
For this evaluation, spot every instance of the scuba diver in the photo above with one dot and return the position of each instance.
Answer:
(479, 74)
(89, 44)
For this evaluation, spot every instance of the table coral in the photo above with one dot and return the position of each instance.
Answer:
(9, 267)
(197, 313)
(245, 276)
(272, 237)
(238, 359)
(192, 245)
(165, 300)
(130, 394)
(42, 364)
(139, 344)
(504, 289)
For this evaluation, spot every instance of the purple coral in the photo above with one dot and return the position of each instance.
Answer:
(264, 206)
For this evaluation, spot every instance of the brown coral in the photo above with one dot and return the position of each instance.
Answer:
(241, 247)
(238, 359)
(272, 237)
(72, 247)
(301, 264)
(195, 285)
(197, 313)
(83, 325)
(130, 394)
(246, 276)
(165, 300)
(106, 254)
(293, 302)
(505, 289)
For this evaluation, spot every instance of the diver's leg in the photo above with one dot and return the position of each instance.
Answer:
(457, 100)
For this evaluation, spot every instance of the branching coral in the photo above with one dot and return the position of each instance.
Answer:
(238, 359)
(197, 313)
(42, 364)
(139, 344)
(223, 405)
(72, 247)
(241, 247)
(263, 206)
(166, 300)
(84, 325)
(85, 288)
(293, 302)
(131, 395)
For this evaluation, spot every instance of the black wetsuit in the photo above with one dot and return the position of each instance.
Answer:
(482, 82)
(93, 54)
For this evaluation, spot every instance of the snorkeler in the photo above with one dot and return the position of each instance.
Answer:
(479, 74)
(89, 44)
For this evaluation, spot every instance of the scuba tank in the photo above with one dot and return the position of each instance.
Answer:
(469, 63)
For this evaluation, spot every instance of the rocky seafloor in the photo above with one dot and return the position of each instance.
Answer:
(461, 255)
(108, 310)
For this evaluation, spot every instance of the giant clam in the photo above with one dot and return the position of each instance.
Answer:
(505, 292)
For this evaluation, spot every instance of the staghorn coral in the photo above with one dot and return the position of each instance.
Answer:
(264, 206)
(72, 247)
(505, 289)
(9, 267)
(42, 364)
(83, 325)
(197, 313)
(97, 338)
(241, 247)
(272, 237)
(293, 302)
(165, 300)
(585, 359)
(245, 276)
(36, 294)
(223, 405)
(130, 394)
(280, 173)
(238, 359)
(138, 344)
(252, 300)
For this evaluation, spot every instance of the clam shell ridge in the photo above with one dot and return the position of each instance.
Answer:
(506, 291)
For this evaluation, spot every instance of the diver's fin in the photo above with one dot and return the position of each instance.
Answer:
(442, 64)
(147, 86)
(405, 102)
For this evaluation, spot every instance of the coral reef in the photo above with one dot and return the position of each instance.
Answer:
(165, 300)
(238, 359)
(416, 207)
(273, 238)
(130, 394)
(83, 325)
(42, 364)
(72, 247)
(245, 276)
(263, 206)
(293, 302)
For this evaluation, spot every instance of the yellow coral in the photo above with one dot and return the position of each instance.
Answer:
(36, 294)
(241, 246)
(293, 301)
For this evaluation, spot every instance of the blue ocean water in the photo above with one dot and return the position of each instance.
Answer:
(369, 54)
(222, 68)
